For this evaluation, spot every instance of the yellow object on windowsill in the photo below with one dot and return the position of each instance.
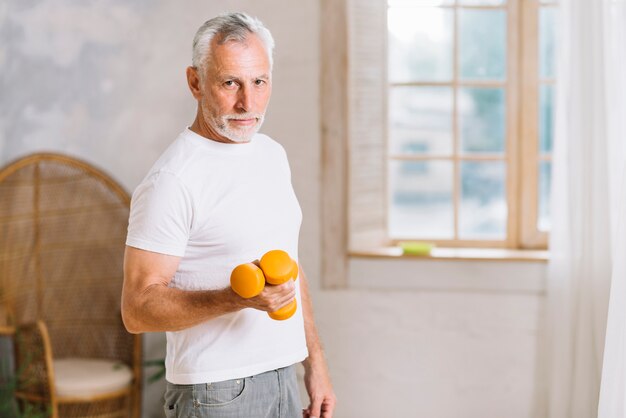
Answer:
(416, 247)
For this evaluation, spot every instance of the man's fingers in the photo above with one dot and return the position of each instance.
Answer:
(327, 409)
(289, 292)
(272, 298)
(283, 297)
(323, 408)
(315, 407)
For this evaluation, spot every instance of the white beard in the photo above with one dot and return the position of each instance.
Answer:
(239, 135)
(222, 127)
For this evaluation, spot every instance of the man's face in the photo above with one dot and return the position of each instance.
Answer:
(235, 90)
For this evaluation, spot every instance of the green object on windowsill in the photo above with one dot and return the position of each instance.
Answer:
(416, 247)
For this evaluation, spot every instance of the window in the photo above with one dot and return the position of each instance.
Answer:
(436, 124)
(462, 77)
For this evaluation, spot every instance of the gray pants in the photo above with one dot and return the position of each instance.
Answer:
(273, 394)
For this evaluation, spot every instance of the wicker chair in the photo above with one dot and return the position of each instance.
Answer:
(62, 230)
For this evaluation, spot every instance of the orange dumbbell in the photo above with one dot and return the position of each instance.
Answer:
(248, 280)
(278, 267)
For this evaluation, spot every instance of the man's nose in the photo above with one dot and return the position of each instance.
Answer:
(245, 99)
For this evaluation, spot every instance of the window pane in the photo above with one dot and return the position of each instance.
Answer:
(420, 44)
(419, 2)
(482, 2)
(420, 120)
(421, 200)
(482, 44)
(545, 178)
(483, 210)
(546, 115)
(481, 119)
(546, 42)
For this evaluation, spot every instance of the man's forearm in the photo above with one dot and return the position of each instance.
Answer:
(314, 346)
(316, 376)
(162, 308)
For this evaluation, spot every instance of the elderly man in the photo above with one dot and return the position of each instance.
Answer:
(219, 196)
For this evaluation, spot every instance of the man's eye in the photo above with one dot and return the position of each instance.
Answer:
(259, 82)
(229, 83)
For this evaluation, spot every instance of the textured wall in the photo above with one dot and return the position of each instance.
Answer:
(105, 81)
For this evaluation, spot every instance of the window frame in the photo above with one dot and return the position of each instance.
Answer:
(510, 86)
(337, 237)
(530, 156)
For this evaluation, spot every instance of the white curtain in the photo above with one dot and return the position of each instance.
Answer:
(588, 207)
(613, 387)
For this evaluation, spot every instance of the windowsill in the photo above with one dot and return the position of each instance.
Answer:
(449, 269)
(459, 254)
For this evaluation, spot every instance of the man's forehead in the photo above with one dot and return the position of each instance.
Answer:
(234, 54)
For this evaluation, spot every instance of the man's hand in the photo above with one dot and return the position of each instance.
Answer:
(320, 392)
(272, 298)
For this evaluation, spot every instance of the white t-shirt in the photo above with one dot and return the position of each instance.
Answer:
(216, 206)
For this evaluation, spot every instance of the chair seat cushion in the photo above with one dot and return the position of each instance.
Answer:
(79, 377)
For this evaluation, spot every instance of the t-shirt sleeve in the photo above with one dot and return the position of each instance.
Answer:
(161, 214)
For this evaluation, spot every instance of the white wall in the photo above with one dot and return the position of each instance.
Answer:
(105, 81)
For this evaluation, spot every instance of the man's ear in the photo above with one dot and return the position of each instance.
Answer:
(193, 80)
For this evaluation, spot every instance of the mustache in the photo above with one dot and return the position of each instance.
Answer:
(241, 116)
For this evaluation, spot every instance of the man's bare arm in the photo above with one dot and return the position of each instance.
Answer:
(316, 376)
(150, 305)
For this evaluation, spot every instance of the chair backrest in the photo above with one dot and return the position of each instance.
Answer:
(62, 231)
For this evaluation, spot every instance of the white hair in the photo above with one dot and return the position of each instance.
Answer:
(228, 27)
